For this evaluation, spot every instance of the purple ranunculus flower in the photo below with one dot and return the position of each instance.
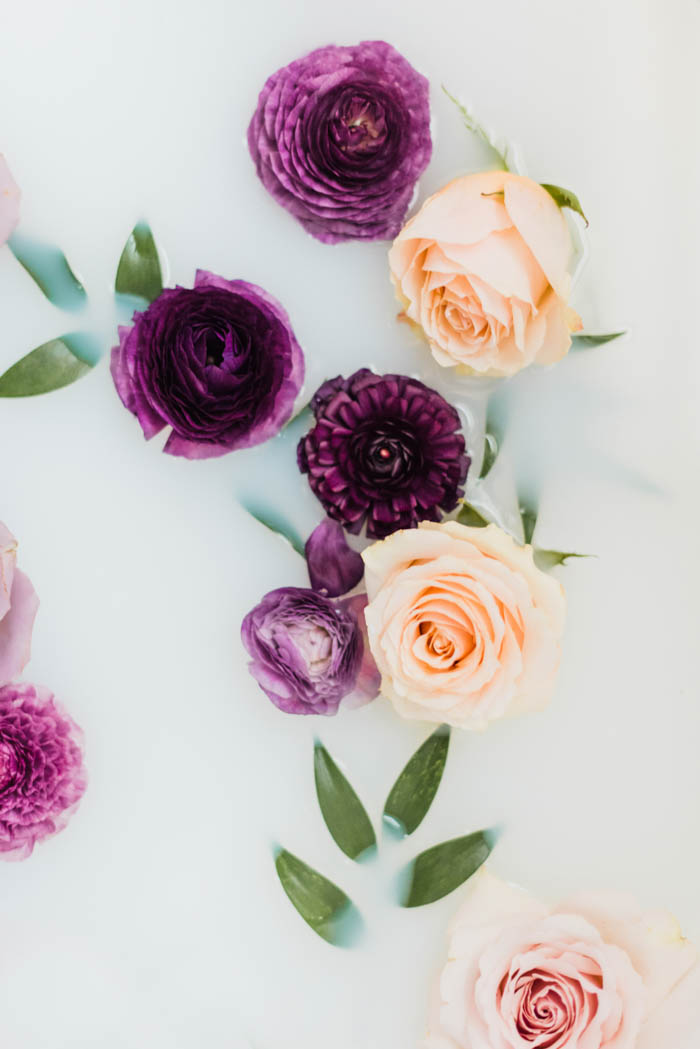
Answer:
(385, 450)
(308, 652)
(334, 567)
(218, 363)
(340, 138)
(42, 777)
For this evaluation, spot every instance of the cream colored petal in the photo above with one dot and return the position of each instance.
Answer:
(556, 339)
(502, 260)
(461, 212)
(543, 228)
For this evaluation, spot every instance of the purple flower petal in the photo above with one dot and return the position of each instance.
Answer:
(42, 777)
(218, 363)
(385, 451)
(334, 568)
(368, 681)
(340, 137)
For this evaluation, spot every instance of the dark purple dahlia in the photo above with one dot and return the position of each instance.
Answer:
(218, 363)
(340, 138)
(42, 777)
(385, 450)
(308, 652)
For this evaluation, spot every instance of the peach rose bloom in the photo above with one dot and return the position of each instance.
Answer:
(9, 202)
(482, 269)
(594, 973)
(463, 626)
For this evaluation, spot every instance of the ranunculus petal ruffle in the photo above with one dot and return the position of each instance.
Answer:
(340, 137)
(9, 202)
(521, 975)
(218, 363)
(307, 651)
(18, 608)
(334, 567)
(482, 271)
(463, 625)
(42, 777)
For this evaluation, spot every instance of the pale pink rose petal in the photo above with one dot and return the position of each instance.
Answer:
(464, 211)
(540, 222)
(503, 261)
(9, 202)
(675, 1024)
(8, 559)
(16, 628)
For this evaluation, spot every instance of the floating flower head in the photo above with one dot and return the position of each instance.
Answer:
(218, 363)
(463, 626)
(42, 777)
(385, 450)
(308, 652)
(9, 202)
(482, 270)
(593, 973)
(18, 607)
(340, 138)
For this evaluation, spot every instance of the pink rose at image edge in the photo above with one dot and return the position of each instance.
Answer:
(9, 202)
(593, 973)
(18, 608)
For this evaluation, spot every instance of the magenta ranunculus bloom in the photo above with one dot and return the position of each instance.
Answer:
(218, 363)
(340, 138)
(385, 450)
(18, 607)
(42, 777)
(308, 652)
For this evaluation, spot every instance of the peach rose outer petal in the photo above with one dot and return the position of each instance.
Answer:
(10, 196)
(16, 628)
(465, 218)
(504, 261)
(675, 1024)
(539, 220)
(653, 940)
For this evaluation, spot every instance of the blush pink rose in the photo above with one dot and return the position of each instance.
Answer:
(9, 202)
(463, 626)
(595, 973)
(482, 270)
(18, 606)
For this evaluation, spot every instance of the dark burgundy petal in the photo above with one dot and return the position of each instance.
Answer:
(385, 451)
(334, 567)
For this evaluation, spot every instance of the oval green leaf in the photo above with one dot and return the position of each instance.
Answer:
(443, 868)
(491, 450)
(565, 198)
(271, 518)
(584, 340)
(546, 559)
(49, 367)
(139, 273)
(344, 813)
(322, 905)
(49, 269)
(414, 791)
(469, 515)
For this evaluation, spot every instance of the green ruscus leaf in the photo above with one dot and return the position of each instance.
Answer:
(272, 519)
(565, 199)
(491, 449)
(139, 272)
(476, 128)
(415, 789)
(443, 868)
(528, 515)
(546, 559)
(469, 515)
(342, 810)
(586, 340)
(322, 905)
(49, 367)
(49, 269)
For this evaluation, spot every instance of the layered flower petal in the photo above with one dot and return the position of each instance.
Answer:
(18, 608)
(334, 567)
(9, 202)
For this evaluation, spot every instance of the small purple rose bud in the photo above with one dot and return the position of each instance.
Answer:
(334, 568)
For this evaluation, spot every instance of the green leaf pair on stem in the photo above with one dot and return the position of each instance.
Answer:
(61, 361)
(544, 559)
(431, 875)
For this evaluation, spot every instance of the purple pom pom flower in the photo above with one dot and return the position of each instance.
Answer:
(42, 777)
(340, 138)
(308, 652)
(218, 363)
(386, 450)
